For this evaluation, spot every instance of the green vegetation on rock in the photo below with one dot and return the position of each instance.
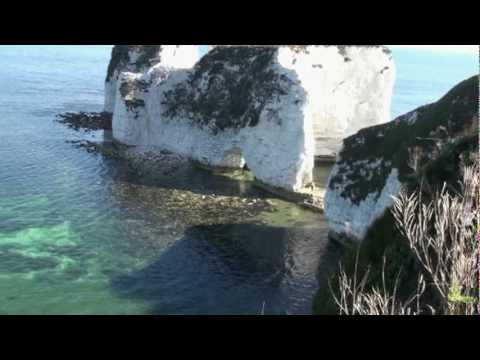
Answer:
(228, 88)
(430, 130)
(121, 57)
(445, 135)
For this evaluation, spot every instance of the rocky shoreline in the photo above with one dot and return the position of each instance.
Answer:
(162, 166)
(154, 162)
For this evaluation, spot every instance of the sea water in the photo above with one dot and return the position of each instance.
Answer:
(77, 236)
(80, 235)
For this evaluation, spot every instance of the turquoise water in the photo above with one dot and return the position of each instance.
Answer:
(80, 236)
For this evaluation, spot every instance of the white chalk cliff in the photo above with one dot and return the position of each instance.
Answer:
(139, 59)
(271, 107)
(376, 163)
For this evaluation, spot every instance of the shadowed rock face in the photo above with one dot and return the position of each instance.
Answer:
(127, 58)
(271, 107)
(139, 59)
(134, 57)
(432, 140)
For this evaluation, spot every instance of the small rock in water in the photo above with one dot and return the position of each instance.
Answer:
(87, 121)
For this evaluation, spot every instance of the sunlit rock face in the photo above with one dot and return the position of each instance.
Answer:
(351, 88)
(348, 88)
(139, 59)
(272, 108)
(431, 142)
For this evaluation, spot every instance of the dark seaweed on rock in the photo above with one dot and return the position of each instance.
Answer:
(118, 59)
(149, 54)
(87, 121)
(240, 82)
(134, 104)
(128, 90)
(434, 132)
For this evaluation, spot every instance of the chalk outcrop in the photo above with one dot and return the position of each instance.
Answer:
(430, 142)
(139, 59)
(272, 108)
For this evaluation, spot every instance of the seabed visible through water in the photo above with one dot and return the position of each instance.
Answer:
(94, 238)
(80, 233)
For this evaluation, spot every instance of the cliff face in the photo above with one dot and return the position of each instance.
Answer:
(139, 59)
(431, 142)
(271, 107)
(349, 87)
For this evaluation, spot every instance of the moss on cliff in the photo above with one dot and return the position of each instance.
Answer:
(446, 133)
(428, 129)
(120, 58)
(228, 88)
(132, 91)
(148, 55)
(384, 239)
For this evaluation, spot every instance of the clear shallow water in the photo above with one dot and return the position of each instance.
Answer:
(80, 236)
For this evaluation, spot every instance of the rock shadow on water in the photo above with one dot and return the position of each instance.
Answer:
(229, 269)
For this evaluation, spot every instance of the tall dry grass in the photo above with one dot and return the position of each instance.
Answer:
(442, 233)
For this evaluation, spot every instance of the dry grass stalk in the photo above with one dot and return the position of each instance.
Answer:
(441, 234)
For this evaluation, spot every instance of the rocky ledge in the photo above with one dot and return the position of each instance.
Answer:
(160, 173)
(159, 165)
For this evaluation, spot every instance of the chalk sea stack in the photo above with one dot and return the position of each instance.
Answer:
(140, 59)
(272, 108)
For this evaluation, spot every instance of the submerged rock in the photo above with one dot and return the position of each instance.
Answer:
(272, 108)
(111, 150)
(158, 177)
(431, 142)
